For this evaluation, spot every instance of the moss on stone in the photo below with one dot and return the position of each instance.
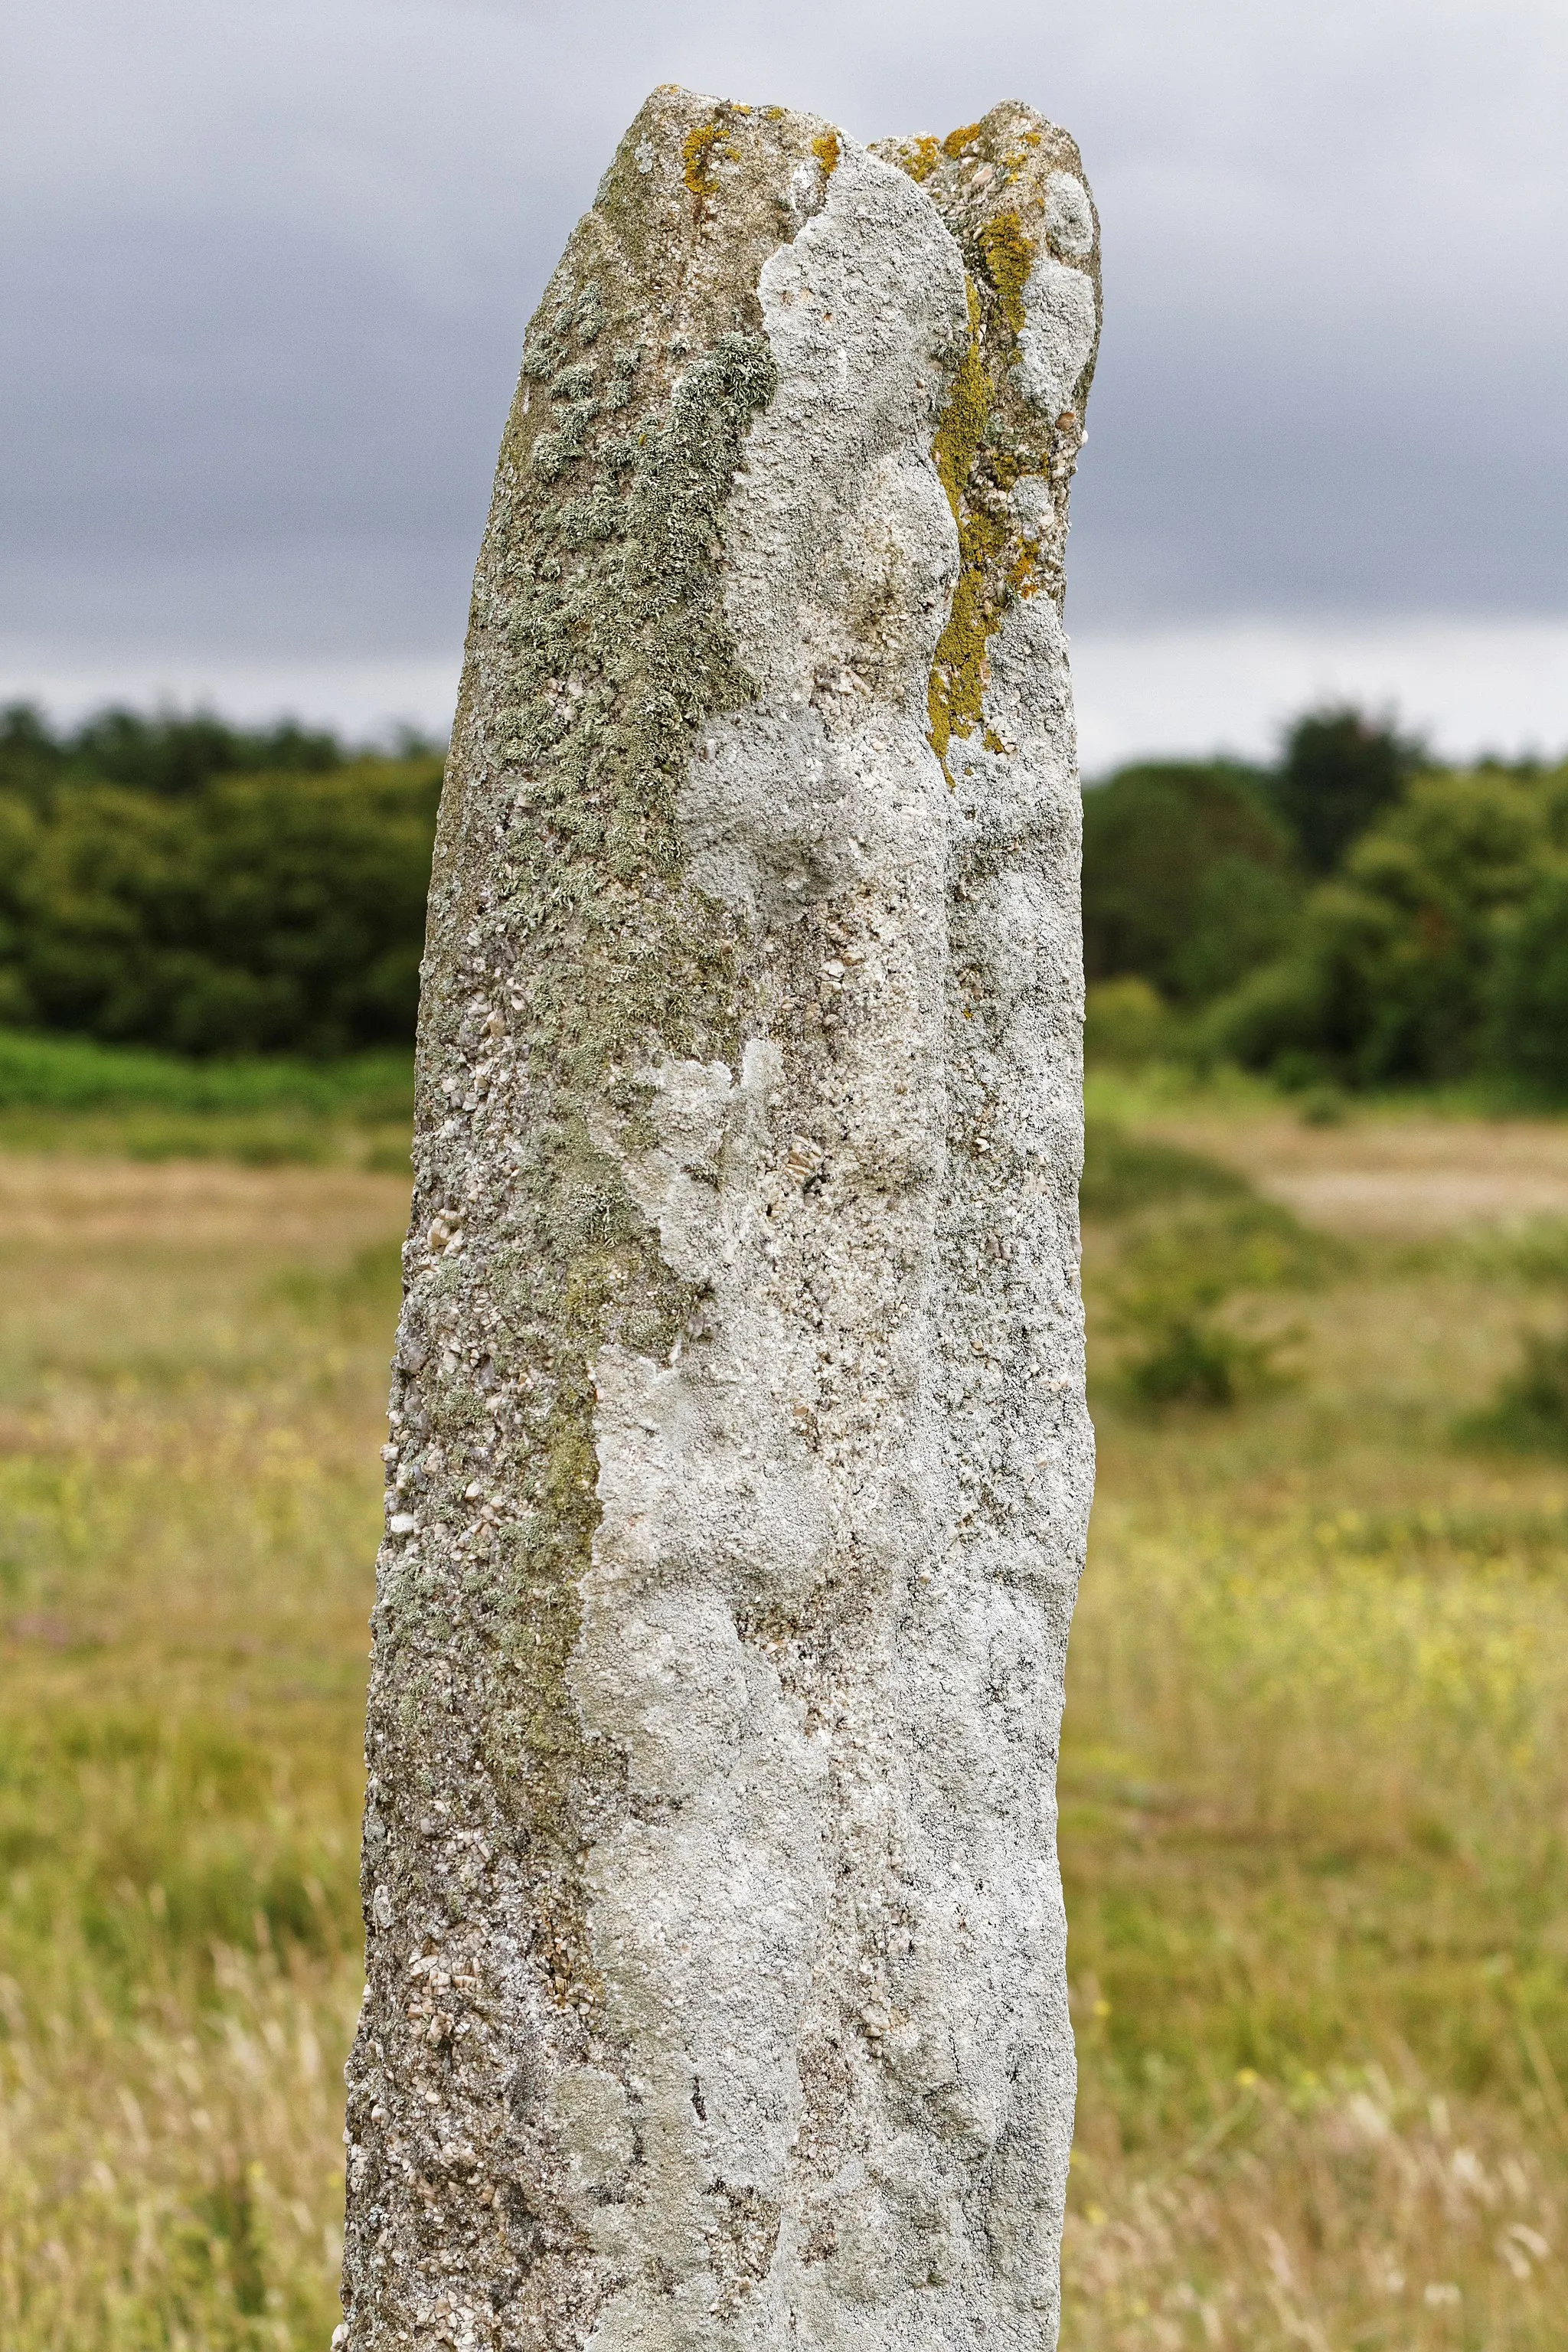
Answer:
(1009, 258)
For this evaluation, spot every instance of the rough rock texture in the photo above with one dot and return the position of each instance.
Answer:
(739, 1461)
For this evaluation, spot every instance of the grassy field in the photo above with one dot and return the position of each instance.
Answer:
(191, 1398)
(1314, 1777)
(70, 1094)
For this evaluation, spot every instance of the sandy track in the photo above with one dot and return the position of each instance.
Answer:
(1395, 1174)
(193, 1204)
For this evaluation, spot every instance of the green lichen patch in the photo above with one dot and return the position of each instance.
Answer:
(562, 927)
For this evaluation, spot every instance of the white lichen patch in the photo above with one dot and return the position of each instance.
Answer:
(1057, 340)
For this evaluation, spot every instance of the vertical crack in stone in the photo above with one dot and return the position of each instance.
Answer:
(738, 1462)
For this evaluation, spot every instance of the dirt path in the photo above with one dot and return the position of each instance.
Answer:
(1394, 1173)
(193, 1204)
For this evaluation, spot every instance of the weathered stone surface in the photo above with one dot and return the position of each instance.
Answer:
(740, 1465)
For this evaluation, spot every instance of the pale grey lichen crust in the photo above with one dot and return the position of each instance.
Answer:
(738, 1464)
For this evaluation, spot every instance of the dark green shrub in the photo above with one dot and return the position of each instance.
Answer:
(1339, 772)
(1174, 1280)
(256, 913)
(1395, 977)
(1187, 880)
(1529, 1023)
(1528, 1414)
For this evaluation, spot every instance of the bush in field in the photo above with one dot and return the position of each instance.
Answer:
(1191, 1238)
(1528, 1414)
(1175, 1278)
(1126, 1023)
(1423, 959)
(1124, 1173)
(178, 894)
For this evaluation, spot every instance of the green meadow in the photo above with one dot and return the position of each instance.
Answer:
(1314, 1778)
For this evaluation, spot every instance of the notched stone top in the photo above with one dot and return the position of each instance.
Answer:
(645, 366)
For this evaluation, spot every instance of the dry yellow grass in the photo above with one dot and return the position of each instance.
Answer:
(1314, 1789)
(192, 1380)
(1397, 1174)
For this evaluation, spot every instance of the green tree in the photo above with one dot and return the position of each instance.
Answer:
(170, 753)
(1339, 771)
(1397, 973)
(271, 912)
(1529, 1026)
(1187, 879)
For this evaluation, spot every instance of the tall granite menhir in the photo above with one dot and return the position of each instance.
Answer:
(739, 1461)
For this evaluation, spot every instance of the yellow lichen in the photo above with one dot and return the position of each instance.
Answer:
(826, 150)
(1009, 258)
(977, 455)
(1024, 572)
(698, 151)
(954, 696)
(961, 426)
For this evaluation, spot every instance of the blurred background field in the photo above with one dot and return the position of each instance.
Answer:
(1313, 1781)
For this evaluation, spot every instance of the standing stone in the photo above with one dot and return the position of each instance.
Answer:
(740, 1462)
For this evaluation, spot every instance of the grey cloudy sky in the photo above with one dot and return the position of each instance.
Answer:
(269, 262)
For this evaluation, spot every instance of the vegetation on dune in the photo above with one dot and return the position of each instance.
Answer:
(1352, 915)
(191, 1382)
(1313, 1810)
(72, 1094)
(1313, 1795)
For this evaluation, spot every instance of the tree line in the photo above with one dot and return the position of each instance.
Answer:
(1355, 914)
(177, 882)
